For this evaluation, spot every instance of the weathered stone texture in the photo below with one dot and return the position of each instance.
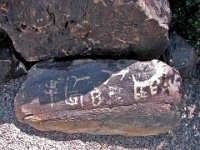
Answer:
(41, 30)
(125, 97)
(181, 55)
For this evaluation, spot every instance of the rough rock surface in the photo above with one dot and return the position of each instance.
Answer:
(181, 55)
(10, 67)
(53, 29)
(123, 97)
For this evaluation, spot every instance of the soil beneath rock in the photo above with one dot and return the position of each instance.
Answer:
(15, 135)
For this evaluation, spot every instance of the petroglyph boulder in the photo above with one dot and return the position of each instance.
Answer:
(123, 97)
(53, 29)
(181, 55)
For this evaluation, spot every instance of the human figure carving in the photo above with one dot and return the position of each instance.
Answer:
(52, 90)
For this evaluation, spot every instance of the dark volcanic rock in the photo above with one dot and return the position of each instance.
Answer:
(10, 67)
(181, 55)
(53, 29)
(123, 97)
(5, 65)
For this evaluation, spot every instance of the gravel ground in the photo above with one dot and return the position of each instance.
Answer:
(17, 136)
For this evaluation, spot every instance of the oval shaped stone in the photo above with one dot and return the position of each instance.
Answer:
(125, 97)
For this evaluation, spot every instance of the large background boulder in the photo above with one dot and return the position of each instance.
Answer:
(54, 29)
(124, 97)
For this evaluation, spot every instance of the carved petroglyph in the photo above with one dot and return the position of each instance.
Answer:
(96, 97)
(114, 92)
(122, 73)
(139, 92)
(174, 81)
(52, 90)
(139, 88)
(144, 79)
(148, 78)
(72, 97)
(74, 100)
(80, 79)
(144, 71)
(107, 71)
(71, 101)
